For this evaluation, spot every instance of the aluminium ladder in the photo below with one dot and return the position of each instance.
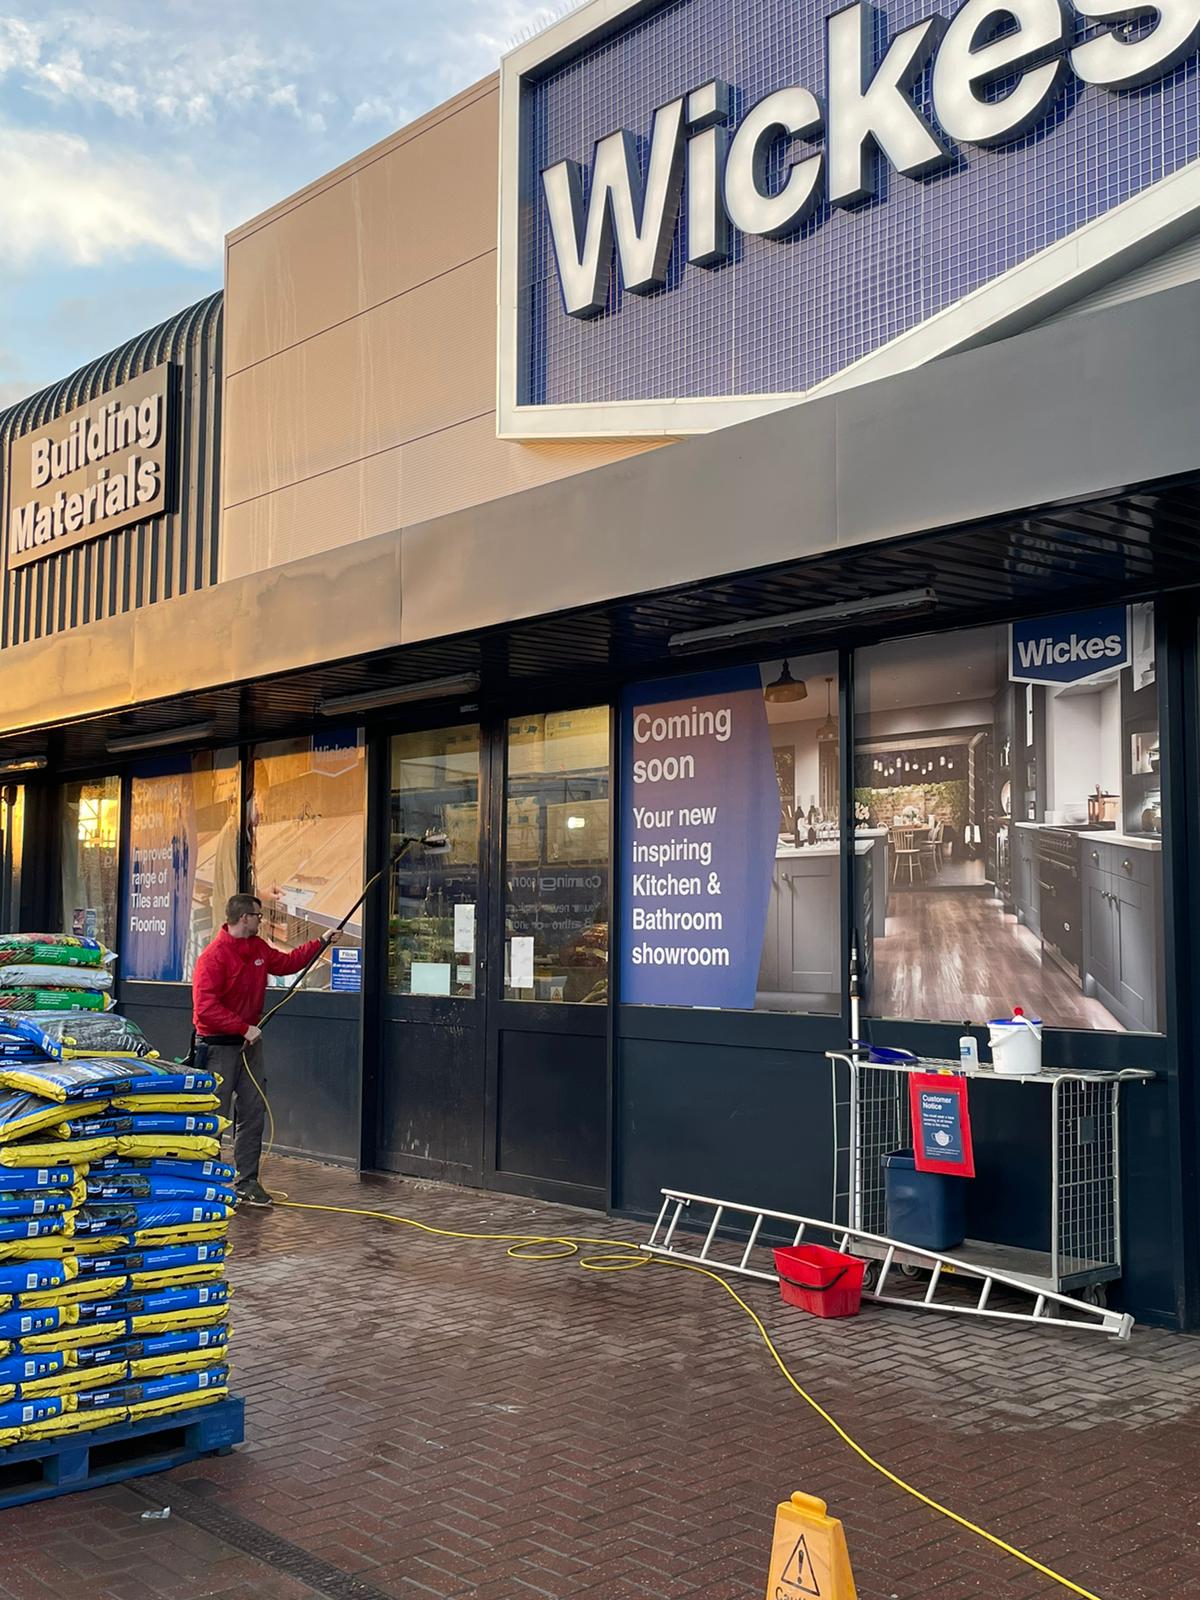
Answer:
(684, 1217)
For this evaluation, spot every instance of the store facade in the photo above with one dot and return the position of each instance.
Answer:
(794, 562)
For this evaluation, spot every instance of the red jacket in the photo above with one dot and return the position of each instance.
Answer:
(230, 980)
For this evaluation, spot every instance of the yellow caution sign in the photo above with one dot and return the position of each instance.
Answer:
(808, 1554)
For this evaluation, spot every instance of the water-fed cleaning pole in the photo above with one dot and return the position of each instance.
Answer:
(433, 840)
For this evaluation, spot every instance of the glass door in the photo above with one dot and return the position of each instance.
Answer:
(547, 1128)
(494, 1063)
(431, 1100)
(90, 840)
(12, 844)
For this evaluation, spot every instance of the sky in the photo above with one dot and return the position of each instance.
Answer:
(134, 136)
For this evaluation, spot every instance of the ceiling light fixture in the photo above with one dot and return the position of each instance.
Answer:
(152, 739)
(461, 683)
(828, 731)
(786, 690)
(732, 633)
(11, 765)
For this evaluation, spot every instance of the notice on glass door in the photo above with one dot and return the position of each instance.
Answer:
(464, 930)
(520, 963)
(699, 828)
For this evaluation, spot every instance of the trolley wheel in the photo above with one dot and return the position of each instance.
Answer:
(909, 1271)
(870, 1276)
(1095, 1294)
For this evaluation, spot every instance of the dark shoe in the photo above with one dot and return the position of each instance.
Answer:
(252, 1193)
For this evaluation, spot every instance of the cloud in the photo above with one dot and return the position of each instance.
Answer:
(508, 22)
(10, 393)
(376, 109)
(152, 72)
(135, 136)
(62, 199)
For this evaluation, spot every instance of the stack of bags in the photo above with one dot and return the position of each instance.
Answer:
(114, 1210)
(54, 972)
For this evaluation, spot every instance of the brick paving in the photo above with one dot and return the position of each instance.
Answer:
(429, 1421)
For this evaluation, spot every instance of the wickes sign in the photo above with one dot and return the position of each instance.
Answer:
(710, 208)
(996, 72)
(97, 469)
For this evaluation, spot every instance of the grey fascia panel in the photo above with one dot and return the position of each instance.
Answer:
(1093, 404)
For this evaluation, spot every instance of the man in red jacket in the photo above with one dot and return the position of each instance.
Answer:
(228, 989)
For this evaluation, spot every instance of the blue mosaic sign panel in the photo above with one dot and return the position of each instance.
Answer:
(1041, 150)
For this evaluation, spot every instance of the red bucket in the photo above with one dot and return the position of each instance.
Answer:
(822, 1281)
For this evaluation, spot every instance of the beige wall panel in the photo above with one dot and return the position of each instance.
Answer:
(418, 363)
(326, 513)
(431, 204)
(412, 208)
(291, 278)
(468, 465)
(451, 470)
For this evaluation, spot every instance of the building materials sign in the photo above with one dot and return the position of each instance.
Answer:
(710, 206)
(99, 468)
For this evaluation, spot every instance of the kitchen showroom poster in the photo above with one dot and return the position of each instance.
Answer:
(699, 825)
(162, 856)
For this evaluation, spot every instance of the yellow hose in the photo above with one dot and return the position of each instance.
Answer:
(554, 1247)
(531, 1247)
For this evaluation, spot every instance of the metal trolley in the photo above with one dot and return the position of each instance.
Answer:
(871, 1118)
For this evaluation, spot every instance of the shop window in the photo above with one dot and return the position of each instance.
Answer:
(434, 925)
(12, 848)
(1010, 782)
(306, 831)
(556, 857)
(731, 856)
(183, 861)
(90, 839)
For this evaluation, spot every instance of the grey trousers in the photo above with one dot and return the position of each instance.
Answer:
(240, 1099)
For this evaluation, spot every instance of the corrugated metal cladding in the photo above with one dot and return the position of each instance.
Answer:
(153, 560)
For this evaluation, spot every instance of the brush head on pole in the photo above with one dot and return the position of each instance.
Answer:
(434, 840)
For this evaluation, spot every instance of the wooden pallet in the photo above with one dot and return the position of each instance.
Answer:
(50, 1467)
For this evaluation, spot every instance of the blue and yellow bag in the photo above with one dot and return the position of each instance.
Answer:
(27, 1277)
(27, 1369)
(16, 1325)
(194, 1171)
(22, 1113)
(25, 1179)
(23, 1228)
(116, 1186)
(165, 1125)
(50, 1204)
(22, 1412)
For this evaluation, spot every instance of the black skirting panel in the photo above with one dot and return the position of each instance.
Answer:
(312, 1056)
(551, 1121)
(736, 1107)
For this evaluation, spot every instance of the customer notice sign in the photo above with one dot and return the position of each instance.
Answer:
(103, 466)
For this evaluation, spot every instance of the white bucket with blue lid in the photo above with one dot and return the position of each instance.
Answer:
(1016, 1044)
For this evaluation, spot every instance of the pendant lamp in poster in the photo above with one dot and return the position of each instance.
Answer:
(699, 826)
(162, 845)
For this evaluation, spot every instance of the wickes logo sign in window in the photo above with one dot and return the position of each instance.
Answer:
(97, 469)
(996, 72)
